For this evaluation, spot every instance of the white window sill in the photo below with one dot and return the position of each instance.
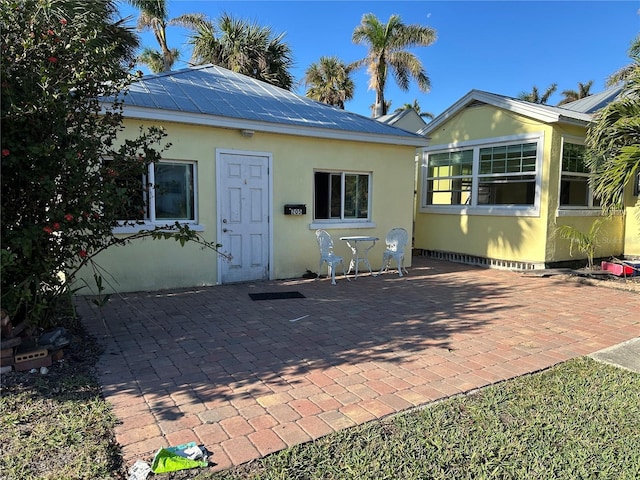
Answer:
(341, 225)
(498, 211)
(583, 212)
(128, 229)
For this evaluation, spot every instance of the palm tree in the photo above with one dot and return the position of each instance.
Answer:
(535, 97)
(375, 110)
(388, 44)
(613, 143)
(240, 46)
(329, 82)
(152, 59)
(626, 71)
(154, 16)
(573, 95)
(416, 106)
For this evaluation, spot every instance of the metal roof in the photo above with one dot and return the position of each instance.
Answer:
(216, 96)
(593, 103)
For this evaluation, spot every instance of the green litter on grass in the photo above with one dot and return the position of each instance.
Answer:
(181, 457)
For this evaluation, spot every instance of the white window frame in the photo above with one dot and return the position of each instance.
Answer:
(572, 210)
(480, 209)
(150, 221)
(328, 223)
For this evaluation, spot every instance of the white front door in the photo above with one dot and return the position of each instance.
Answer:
(243, 216)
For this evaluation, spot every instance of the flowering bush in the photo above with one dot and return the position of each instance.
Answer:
(60, 201)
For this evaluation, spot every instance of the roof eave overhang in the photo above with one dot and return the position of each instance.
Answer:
(145, 113)
(534, 111)
(574, 121)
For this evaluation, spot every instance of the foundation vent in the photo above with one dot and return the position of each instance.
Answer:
(482, 261)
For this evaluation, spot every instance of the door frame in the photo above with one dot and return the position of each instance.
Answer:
(219, 187)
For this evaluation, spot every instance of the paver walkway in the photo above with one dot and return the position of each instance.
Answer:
(247, 378)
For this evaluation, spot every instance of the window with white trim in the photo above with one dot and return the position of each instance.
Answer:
(507, 174)
(165, 194)
(450, 178)
(574, 180)
(500, 174)
(340, 196)
(172, 192)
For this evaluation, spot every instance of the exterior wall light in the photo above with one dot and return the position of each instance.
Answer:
(247, 133)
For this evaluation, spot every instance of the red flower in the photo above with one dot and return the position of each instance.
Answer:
(56, 226)
(82, 253)
(68, 217)
(53, 59)
(50, 32)
(63, 21)
(48, 230)
(5, 152)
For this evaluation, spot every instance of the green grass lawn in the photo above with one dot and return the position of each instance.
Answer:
(578, 420)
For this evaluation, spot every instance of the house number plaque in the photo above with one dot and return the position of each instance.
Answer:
(300, 209)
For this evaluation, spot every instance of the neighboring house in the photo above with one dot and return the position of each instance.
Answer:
(406, 119)
(501, 174)
(242, 150)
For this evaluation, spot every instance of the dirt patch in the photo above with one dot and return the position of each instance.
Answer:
(596, 278)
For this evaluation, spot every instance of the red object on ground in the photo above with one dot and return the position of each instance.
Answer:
(618, 269)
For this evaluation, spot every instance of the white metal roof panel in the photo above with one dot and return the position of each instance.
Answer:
(215, 91)
(593, 103)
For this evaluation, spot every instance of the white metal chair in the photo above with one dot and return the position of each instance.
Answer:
(325, 243)
(396, 240)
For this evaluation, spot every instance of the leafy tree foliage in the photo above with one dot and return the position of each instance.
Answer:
(240, 46)
(388, 44)
(626, 71)
(614, 143)
(534, 95)
(154, 16)
(60, 199)
(416, 106)
(584, 90)
(329, 82)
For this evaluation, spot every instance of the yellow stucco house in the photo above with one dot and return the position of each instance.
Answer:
(501, 174)
(257, 169)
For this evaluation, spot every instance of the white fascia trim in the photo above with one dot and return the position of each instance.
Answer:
(145, 113)
(486, 141)
(580, 122)
(541, 113)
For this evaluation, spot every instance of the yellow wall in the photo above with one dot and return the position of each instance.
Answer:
(492, 236)
(632, 226)
(158, 264)
(530, 239)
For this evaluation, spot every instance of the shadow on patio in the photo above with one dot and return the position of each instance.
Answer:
(246, 378)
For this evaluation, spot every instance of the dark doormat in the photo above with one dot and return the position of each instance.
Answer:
(275, 295)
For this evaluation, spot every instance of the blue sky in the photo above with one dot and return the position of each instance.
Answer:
(503, 47)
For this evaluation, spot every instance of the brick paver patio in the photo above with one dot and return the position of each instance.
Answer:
(247, 378)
